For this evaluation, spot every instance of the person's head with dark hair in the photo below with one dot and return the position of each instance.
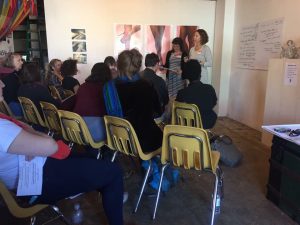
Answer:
(178, 42)
(110, 61)
(192, 70)
(99, 73)
(129, 62)
(30, 73)
(151, 60)
(112, 64)
(201, 36)
(14, 61)
(69, 68)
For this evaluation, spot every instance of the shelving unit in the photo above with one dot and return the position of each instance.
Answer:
(30, 38)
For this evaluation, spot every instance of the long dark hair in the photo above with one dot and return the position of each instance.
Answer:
(99, 73)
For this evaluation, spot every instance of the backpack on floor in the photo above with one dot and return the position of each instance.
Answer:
(230, 155)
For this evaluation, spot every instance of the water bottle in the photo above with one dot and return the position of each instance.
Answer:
(77, 216)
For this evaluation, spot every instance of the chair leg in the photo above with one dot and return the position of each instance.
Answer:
(159, 189)
(143, 186)
(114, 156)
(60, 215)
(32, 220)
(218, 194)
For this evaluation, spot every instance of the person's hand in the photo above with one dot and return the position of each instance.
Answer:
(201, 63)
(179, 71)
(185, 59)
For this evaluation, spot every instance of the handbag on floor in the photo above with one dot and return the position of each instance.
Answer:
(230, 155)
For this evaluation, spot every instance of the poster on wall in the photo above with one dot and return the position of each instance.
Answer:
(81, 58)
(158, 40)
(258, 43)
(79, 45)
(186, 33)
(127, 36)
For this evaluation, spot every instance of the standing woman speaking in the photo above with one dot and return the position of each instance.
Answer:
(201, 52)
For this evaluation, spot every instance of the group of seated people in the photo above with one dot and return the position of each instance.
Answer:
(140, 96)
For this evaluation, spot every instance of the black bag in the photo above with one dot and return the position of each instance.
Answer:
(230, 155)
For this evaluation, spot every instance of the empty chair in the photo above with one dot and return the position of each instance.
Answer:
(186, 115)
(51, 117)
(121, 137)
(31, 114)
(75, 130)
(21, 212)
(189, 147)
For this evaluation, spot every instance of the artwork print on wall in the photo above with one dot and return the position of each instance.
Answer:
(79, 45)
(158, 40)
(186, 33)
(127, 36)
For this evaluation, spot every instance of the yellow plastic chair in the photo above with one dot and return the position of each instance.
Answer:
(52, 121)
(4, 108)
(186, 115)
(121, 137)
(189, 147)
(20, 212)
(68, 93)
(54, 92)
(75, 130)
(30, 112)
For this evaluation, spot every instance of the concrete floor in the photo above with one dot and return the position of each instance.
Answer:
(189, 202)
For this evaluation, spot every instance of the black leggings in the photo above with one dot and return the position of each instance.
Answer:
(65, 178)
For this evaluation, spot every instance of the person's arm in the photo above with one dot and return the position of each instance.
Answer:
(75, 88)
(31, 144)
(208, 57)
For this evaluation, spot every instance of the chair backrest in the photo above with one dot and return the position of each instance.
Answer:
(68, 93)
(121, 137)
(54, 92)
(51, 116)
(4, 108)
(13, 206)
(188, 147)
(31, 114)
(74, 129)
(185, 114)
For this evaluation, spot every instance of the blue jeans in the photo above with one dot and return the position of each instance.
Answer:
(16, 108)
(96, 127)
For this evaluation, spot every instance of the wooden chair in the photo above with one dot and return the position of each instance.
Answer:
(186, 115)
(121, 137)
(189, 147)
(20, 212)
(75, 130)
(30, 112)
(51, 117)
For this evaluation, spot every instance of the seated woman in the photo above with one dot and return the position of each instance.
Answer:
(33, 89)
(12, 82)
(90, 103)
(139, 100)
(54, 77)
(63, 175)
(68, 70)
(112, 64)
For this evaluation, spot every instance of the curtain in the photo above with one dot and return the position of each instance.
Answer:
(13, 12)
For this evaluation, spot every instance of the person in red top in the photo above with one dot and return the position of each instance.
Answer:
(90, 102)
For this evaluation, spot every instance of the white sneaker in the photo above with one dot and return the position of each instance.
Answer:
(125, 197)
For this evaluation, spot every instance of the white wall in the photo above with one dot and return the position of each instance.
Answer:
(98, 17)
(248, 87)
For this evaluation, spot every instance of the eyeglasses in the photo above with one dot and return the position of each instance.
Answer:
(294, 133)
